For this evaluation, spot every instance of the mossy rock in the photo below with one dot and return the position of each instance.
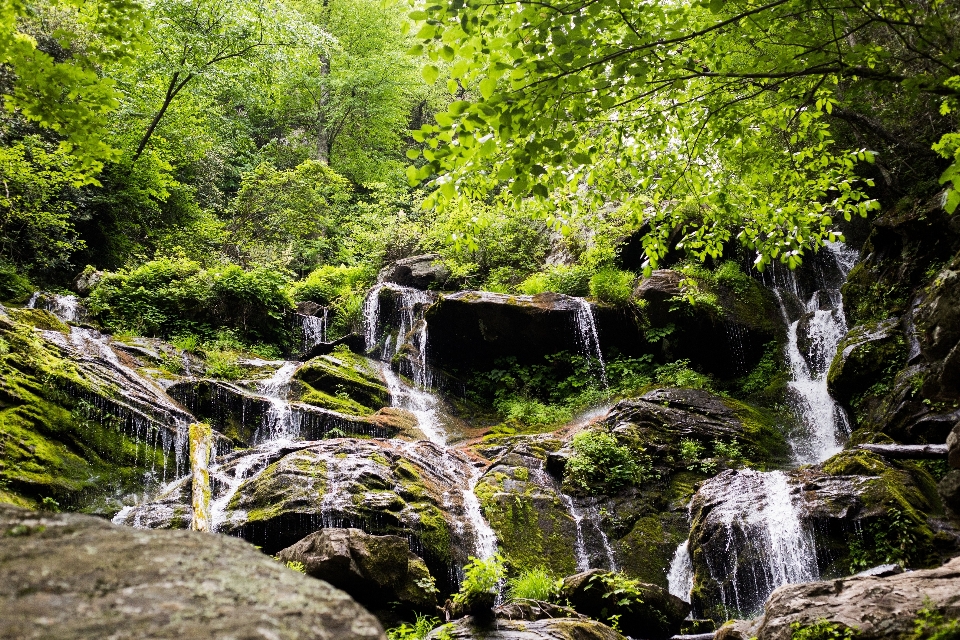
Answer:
(343, 380)
(63, 437)
(867, 359)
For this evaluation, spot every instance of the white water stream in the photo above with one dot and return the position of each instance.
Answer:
(762, 513)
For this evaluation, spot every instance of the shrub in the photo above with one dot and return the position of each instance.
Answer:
(821, 630)
(14, 287)
(174, 296)
(571, 281)
(533, 584)
(612, 286)
(931, 625)
(326, 284)
(532, 412)
(679, 374)
(601, 464)
(481, 582)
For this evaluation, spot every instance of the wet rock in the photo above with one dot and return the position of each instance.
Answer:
(81, 424)
(474, 328)
(529, 513)
(376, 570)
(310, 308)
(798, 526)
(280, 492)
(877, 607)
(420, 272)
(949, 486)
(545, 629)
(863, 356)
(87, 280)
(650, 612)
(343, 374)
(70, 576)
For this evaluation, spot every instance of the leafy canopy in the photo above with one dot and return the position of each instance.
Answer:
(714, 117)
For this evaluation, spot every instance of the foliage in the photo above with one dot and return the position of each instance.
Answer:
(14, 286)
(37, 229)
(890, 539)
(175, 296)
(601, 465)
(66, 93)
(725, 120)
(821, 630)
(612, 286)
(533, 584)
(417, 631)
(679, 374)
(328, 283)
(296, 566)
(931, 625)
(481, 581)
(620, 593)
(568, 280)
(287, 217)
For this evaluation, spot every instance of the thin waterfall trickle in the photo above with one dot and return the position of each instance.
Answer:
(680, 575)
(589, 337)
(821, 326)
(280, 422)
(425, 406)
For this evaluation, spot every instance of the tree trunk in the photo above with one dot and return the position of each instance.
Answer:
(907, 451)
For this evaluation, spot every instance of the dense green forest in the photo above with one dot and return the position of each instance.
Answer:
(293, 148)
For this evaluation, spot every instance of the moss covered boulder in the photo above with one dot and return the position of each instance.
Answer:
(344, 382)
(80, 427)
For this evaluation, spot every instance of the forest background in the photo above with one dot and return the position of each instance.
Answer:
(221, 160)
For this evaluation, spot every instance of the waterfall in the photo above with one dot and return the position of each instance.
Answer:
(765, 543)
(314, 329)
(823, 325)
(66, 308)
(583, 560)
(680, 576)
(588, 336)
(280, 422)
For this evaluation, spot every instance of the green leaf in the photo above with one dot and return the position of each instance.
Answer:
(431, 73)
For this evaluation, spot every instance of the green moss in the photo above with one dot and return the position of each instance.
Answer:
(649, 546)
(434, 532)
(53, 443)
(39, 319)
(761, 428)
(343, 381)
(855, 462)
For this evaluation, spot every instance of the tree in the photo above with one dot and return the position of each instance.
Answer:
(715, 117)
(66, 93)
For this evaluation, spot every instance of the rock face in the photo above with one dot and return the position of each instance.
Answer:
(420, 272)
(73, 576)
(753, 531)
(278, 493)
(376, 570)
(650, 613)
(875, 607)
(904, 293)
(81, 423)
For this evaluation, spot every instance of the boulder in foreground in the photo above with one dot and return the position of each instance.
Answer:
(71, 576)
(875, 607)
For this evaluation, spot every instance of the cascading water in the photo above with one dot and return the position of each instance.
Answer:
(314, 329)
(757, 516)
(680, 575)
(589, 337)
(821, 325)
(280, 422)
(767, 543)
(423, 404)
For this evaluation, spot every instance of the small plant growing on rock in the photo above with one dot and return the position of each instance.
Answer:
(534, 584)
(602, 465)
(930, 625)
(481, 584)
(416, 631)
(821, 630)
(299, 567)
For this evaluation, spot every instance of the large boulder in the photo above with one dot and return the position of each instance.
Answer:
(278, 493)
(641, 610)
(376, 570)
(420, 272)
(77, 577)
(875, 607)
(527, 620)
